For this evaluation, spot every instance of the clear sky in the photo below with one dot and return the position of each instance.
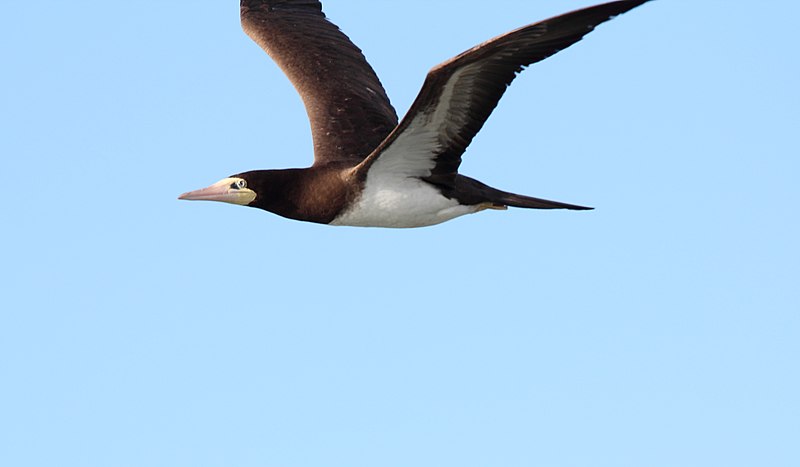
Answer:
(661, 329)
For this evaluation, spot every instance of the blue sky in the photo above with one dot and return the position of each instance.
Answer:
(660, 329)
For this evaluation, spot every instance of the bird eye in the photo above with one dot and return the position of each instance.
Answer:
(239, 185)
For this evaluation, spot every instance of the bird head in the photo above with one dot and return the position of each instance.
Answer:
(232, 190)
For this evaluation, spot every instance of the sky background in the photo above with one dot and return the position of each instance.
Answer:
(661, 329)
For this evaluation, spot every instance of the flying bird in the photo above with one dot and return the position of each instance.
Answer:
(369, 169)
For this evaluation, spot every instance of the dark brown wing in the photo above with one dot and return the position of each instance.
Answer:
(347, 106)
(460, 94)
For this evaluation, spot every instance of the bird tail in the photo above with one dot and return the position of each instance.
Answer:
(522, 201)
(471, 191)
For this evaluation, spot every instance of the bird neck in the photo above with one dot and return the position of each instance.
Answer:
(313, 194)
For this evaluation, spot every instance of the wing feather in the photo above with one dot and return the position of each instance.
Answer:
(458, 95)
(349, 111)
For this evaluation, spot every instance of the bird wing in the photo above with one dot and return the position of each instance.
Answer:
(459, 95)
(349, 111)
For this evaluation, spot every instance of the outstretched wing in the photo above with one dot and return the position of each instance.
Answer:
(347, 106)
(460, 94)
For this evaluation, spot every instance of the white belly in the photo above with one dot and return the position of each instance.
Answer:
(401, 202)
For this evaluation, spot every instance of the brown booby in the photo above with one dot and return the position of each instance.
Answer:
(370, 170)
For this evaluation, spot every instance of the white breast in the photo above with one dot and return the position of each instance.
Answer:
(394, 194)
(391, 201)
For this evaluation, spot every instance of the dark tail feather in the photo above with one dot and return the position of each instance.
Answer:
(470, 191)
(521, 201)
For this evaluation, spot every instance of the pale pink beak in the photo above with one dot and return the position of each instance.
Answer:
(225, 190)
(215, 192)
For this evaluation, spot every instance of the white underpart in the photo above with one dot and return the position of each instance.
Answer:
(396, 202)
(394, 194)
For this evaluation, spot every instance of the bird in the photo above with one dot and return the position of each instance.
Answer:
(369, 169)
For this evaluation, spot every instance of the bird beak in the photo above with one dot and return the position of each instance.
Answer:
(224, 191)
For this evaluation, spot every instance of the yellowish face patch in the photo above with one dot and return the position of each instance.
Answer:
(237, 191)
(228, 190)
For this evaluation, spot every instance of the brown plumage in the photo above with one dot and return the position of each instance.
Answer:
(349, 111)
(368, 169)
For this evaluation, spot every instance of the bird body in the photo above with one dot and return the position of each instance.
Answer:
(369, 168)
(390, 201)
